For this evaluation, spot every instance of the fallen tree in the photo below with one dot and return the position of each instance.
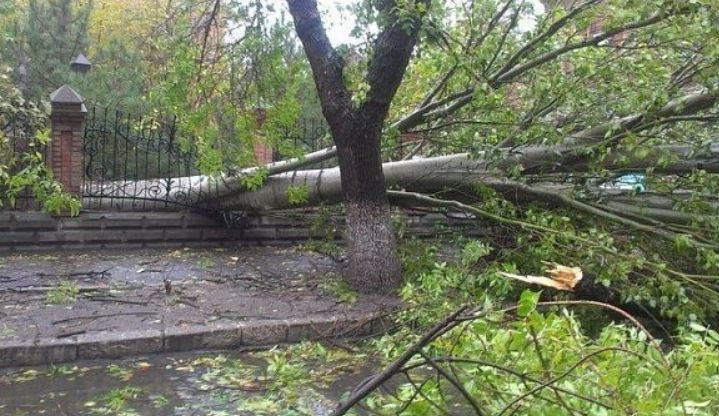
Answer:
(573, 154)
(550, 152)
(460, 171)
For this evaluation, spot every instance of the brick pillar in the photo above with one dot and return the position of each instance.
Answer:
(65, 150)
(263, 152)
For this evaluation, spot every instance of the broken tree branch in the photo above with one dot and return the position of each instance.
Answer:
(560, 278)
(370, 385)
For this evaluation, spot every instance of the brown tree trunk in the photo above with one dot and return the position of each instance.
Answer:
(356, 129)
(372, 247)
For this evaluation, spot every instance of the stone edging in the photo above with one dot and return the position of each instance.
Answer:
(246, 334)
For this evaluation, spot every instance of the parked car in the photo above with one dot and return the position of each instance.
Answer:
(634, 181)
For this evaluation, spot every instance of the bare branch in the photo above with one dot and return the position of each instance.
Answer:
(510, 371)
(379, 379)
(419, 116)
(551, 30)
(512, 24)
(208, 28)
(438, 86)
(492, 23)
(456, 383)
(682, 106)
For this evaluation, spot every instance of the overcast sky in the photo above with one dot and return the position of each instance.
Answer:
(340, 24)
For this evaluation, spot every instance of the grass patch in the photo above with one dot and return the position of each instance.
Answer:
(65, 293)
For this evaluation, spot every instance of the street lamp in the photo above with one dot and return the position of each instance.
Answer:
(80, 64)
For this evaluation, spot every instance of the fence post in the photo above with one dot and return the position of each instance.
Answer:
(65, 151)
(263, 152)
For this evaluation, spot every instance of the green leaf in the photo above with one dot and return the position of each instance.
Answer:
(528, 302)
(298, 194)
(697, 327)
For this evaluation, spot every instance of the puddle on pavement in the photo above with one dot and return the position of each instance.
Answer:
(177, 385)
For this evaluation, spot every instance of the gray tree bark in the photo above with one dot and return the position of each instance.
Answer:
(420, 175)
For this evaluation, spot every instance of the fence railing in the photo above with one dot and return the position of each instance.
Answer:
(307, 136)
(137, 162)
(119, 147)
(134, 162)
(114, 160)
(17, 141)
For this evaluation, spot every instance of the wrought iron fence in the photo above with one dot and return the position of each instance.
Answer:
(120, 147)
(307, 136)
(138, 163)
(18, 131)
(148, 164)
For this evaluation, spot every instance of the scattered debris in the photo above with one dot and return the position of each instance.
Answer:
(560, 278)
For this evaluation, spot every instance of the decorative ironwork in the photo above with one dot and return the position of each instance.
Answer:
(18, 130)
(307, 136)
(138, 163)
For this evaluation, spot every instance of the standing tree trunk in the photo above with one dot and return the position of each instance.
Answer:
(356, 129)
(373, 261)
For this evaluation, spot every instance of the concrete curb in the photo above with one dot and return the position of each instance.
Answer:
(45, 351)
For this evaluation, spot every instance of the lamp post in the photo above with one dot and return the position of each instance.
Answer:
(80, 64)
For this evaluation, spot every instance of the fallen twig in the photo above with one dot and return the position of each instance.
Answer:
(36, 289)
(91, 273)
(375, 381)
(69, 334)
(111, 299)
(107, 315)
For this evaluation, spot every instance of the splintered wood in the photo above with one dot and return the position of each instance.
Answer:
(560, 277)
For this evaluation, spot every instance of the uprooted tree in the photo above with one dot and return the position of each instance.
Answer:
(544, 116)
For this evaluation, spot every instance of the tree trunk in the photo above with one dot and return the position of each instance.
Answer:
(372, 250)
(356, 129)
(373, 262)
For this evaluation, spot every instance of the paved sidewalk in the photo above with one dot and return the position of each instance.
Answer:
(61, 306)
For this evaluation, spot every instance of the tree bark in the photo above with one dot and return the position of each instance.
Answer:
(372, 248)
(419, 175)
(356, 129)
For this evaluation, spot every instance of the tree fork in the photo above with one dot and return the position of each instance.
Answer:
(356, 129)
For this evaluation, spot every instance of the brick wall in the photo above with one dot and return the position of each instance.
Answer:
(262, 151)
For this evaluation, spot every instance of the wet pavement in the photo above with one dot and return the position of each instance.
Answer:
(184, 384)
(63, 296)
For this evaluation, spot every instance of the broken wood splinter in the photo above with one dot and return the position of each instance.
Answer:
(560, 277)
